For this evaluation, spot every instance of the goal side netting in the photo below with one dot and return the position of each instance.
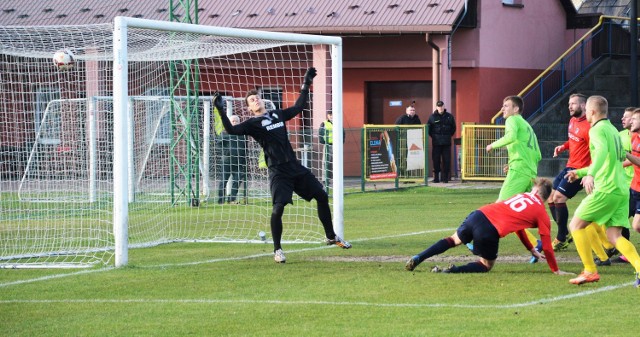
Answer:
(122, 147)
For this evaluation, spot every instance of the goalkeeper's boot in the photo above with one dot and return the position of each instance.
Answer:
(637, 282)
(412, 263)
(279, 257)
(585, 277)
(599, 262)
(339, 242)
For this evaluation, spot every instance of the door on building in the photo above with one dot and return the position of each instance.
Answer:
(386, 101)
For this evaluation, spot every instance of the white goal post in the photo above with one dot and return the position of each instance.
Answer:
(95, 155)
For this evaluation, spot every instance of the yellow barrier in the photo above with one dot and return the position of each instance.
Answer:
(476, 163)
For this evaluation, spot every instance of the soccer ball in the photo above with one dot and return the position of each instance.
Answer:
(63, 59)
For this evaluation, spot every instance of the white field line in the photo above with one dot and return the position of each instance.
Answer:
(294, 250)
(369, 304)
(91, 271)
(328, 303)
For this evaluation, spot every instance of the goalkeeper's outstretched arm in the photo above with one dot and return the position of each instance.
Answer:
(218, 103)
(302, 100)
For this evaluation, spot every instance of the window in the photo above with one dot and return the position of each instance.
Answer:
(157, 116)
(273, 95)
(513, 3)
(48, 120)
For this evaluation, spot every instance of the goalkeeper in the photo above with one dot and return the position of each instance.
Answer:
(489, 223)
(286, 174)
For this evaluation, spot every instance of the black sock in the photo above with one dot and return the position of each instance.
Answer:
(473, 267)
(552, 209)
(625, 233)
(437, 248)
(276, 225)
(563, 216)
(324, 214)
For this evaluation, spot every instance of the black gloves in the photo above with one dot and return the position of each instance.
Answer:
(308, 78)
(218, 102)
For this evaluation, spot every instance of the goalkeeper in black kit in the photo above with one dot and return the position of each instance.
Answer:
(286, 174)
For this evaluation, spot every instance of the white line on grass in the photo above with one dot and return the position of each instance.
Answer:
(330, 303)
(371, 304)
(90, 271)
(290, 251)
(56, 276)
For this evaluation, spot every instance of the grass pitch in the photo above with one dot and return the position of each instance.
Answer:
(197, 289)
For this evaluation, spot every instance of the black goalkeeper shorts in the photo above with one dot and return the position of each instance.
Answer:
(284, 179)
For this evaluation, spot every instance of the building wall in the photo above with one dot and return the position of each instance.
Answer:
(510, 47)
(530, 37)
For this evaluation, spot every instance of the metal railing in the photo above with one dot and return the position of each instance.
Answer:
(600, 41)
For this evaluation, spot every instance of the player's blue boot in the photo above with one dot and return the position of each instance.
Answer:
(539, 249)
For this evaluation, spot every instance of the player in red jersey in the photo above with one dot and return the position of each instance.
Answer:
(635, 154)
(489, 223)
(579, 157)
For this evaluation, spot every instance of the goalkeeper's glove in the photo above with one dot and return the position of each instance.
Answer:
(218, 102)
(308, 78)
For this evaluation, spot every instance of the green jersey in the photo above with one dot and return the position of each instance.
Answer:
(607, 156)
(522, 146)
(625, 137)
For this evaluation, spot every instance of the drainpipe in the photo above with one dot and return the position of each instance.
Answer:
(452, 32)
(435, 71)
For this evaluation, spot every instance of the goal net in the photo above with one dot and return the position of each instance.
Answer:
(124, 149)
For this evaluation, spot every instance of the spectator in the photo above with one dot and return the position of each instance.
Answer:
(325, 135)
(410, 117)
(442, 126)
(234, 151)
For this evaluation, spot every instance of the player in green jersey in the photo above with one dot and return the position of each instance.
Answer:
(522, 149)
(607, 192)
(523, 153)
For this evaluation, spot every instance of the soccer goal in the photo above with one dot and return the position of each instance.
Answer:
(116, 144)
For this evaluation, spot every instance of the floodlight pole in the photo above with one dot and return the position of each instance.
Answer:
(633, 69)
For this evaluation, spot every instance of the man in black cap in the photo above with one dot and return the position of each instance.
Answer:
(442, 126)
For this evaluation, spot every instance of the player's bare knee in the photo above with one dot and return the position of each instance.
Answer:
(456, 239)
(559, 198)
(487, 263)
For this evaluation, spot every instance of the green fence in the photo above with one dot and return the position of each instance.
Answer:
(394, 154)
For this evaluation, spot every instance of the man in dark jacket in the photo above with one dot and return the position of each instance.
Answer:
(442, 126)
(409, 118)
(234, 153)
